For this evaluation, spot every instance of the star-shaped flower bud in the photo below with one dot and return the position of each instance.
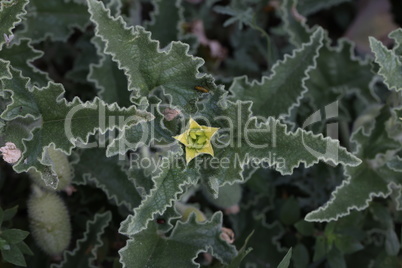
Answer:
(197, 140)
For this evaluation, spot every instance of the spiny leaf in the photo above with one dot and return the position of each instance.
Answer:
(148, 249)
(106, 173)
(54, 19)
(62, 123)
(265, 143)
(339, 72)
(370, 179)
(85, 251)
(390, 63)
(277, 94)
(11, 13)
(21, 104)
(148, 68)
(20, 55)
(363, 184)
(167, 186)
(84, 118)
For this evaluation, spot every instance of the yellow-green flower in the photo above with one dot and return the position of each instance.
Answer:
(197, 140)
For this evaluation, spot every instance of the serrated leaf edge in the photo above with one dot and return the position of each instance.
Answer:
(108, 216)
(319, 31)
(391, 53)
(133, 30)
(129, 228)
(50, 35)
(18, 18)
(87, 178)
(310, 216)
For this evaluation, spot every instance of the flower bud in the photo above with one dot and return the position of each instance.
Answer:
(49, 221)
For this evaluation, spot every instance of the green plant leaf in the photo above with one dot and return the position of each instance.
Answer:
(21, 55)
(370, 179)
(148, 249)
(336, 259)
(25, 249)
(93, 167)
(320, 247)
(300, 256)
(85, 55)
(11, 13)
(58, 117)
(54, 19)
(340, 73)
(167, 187)
(13, 255)
(85, 251)
(347, 244)
(266, 236)
(142, 174)
(392, 244)
(294, 25)
(286, 260)
(147, 67)
(166, 21)
(277, 94)
(268, 142)
(108, 78)
(241, 254)
(390, 63)
(8, 214)
(4, 71)
(21, 91)
(229, 195)
(143, 133)
(269, 251)
(397, 36)
(305, 228)
(14, 236)
(362, 185)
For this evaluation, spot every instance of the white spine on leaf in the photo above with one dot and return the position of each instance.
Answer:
(49, 221)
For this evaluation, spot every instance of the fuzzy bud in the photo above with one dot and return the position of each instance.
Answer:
(49, 221)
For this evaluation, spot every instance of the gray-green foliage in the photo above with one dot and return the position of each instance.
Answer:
(91, 241)
(148, 249)
(121, 93)
(389, 61)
